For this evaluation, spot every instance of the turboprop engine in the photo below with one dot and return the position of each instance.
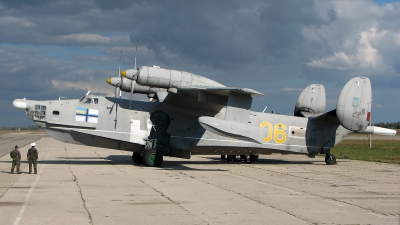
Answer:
(165, 78)
(149, 80)
(131, 85)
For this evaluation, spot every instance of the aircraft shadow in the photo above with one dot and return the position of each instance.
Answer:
(15, 172)
(266, 161)
(174, 165)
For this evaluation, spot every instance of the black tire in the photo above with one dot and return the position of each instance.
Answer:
(330, 159)
(152, 158)
(231, 158)
(252, 158)
(137, 158)
(222, 156)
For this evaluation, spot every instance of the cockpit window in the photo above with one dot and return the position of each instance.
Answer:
(88, 101)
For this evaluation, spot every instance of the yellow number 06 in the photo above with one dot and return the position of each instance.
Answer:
(278, 139)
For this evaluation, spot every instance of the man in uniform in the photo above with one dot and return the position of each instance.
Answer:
(32, 157)
(16, 156)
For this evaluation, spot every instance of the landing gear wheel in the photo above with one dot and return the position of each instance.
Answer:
(222, 156)
(330, 159)
(137, 158)
(252, 158)
(231, 158)
(152, 158)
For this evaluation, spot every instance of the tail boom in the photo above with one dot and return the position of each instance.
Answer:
(379, 131)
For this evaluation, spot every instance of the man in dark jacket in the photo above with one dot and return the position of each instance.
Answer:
(16, 156)
(32, 157)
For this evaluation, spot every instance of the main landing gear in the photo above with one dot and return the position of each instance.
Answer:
(330, 159)
(243, 158)
(151, 158)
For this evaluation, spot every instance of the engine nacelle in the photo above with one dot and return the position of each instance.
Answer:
(127, 85)
(164, 78)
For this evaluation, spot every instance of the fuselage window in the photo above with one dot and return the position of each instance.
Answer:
(96, 101)
(38, 114)
(56, 113)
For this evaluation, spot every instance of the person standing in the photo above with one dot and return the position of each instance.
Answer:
(16, 156)
(32, 157)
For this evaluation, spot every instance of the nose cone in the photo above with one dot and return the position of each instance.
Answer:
(130, 74)
(114, 81)
(19, 103)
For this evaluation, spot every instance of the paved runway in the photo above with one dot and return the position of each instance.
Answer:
(8, 141)
(86, 185)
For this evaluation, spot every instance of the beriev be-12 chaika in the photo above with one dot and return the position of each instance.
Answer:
(193, 115)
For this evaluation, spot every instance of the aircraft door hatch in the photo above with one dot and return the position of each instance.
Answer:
(159, 138)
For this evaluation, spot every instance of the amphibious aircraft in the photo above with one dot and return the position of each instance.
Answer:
(192, 115)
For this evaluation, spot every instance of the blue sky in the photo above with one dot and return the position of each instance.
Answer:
(54, 48)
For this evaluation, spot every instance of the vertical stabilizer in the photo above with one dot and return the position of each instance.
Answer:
(354, 104)
(311, 101)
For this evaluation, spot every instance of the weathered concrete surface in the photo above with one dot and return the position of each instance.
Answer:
(86, 185)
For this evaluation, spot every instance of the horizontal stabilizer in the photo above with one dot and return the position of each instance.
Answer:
(354, 104)
(328, 117)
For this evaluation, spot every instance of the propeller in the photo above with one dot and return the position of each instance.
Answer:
(119, 72)
(117, 81)
(134, 74)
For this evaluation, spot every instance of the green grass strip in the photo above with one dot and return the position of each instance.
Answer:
(386, 151)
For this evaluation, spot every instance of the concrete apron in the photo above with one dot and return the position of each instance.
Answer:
(86, 185)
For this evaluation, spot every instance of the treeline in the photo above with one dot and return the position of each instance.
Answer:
(29, 127)
(393, 125)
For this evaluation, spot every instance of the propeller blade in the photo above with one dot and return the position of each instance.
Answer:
(119, 73)
(133, 75)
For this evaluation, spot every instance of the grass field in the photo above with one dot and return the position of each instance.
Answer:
(387, 151)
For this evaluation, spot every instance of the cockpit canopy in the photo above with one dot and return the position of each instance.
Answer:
(88, 100)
